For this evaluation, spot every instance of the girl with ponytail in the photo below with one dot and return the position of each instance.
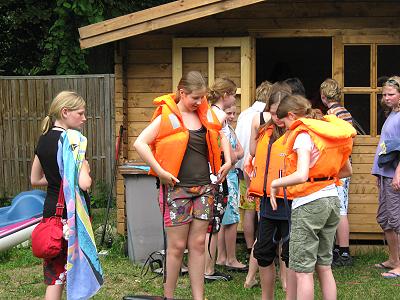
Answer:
(67, 111)
(317, 151)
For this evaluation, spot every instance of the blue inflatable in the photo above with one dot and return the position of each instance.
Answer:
(18, 220)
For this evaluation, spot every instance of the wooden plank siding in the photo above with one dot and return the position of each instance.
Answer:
(363, 194)
(25, 102)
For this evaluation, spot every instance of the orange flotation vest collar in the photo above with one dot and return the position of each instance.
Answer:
(169, 147)
(333, 137)
(260, 183)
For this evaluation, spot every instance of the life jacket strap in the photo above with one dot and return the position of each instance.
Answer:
(312, 179)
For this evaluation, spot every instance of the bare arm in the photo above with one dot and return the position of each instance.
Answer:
(255, 124)
(346, 170)
(226, 148)
(85, 181)
(299, 176)
(239, 150)
(37, 175)
(142, 146)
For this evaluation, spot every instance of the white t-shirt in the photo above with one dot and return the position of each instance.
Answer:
(304, 141)
(243, 128)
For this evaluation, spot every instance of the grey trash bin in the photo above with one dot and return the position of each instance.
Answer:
(144, 223)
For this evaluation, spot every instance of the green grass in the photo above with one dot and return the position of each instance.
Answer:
(21, 278)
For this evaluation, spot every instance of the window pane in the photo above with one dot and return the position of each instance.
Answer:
(388, 60)
(359, 107)
(357, 66)
(381, 114)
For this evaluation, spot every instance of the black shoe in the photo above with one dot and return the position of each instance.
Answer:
(217, 276)
(344, 260)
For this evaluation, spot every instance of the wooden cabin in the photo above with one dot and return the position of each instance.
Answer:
(355, 42)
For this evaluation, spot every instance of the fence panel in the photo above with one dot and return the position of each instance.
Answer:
(24, 102)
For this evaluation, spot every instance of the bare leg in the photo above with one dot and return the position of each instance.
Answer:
(210, 261)
(221, 258)
(230, 242)
(267, 276)
(251, 274)
(248, 226)
(282, 269)
(393, 243)
(327, 282)
(305, 286)
(291, 285)
(342, 233)
(54, 292)
(177, 238)
(196, 239)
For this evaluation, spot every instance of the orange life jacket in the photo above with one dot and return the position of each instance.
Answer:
(169, 147)
(275, 166)
(333, 137)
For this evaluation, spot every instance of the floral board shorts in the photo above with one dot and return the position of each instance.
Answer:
(220, 203)
(187, 203)
(54, 269)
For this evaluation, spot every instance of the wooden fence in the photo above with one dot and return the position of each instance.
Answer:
(24, 102)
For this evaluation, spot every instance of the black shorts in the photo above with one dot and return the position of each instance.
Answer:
(270, 233)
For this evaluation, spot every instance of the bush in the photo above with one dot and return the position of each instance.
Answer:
(99, 195)
(4, 199)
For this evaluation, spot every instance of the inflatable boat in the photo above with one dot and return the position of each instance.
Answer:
(18, 220)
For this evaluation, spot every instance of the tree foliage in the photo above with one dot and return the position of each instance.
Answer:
(41, 37)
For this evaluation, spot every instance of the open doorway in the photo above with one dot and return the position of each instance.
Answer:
(309, 59)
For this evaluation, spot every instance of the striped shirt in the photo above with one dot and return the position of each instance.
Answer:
(340, 112)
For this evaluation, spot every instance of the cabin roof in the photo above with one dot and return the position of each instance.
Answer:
(155, 18)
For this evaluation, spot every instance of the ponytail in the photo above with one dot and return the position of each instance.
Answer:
(46, 124)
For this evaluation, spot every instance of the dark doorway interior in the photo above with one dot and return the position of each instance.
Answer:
(309, 59)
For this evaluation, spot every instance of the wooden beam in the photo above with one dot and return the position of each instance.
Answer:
(211, 66)
(246, 72)
(127, 26)
(176, 64)
(141, 16)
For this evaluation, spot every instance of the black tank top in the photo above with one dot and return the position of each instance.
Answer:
(194, 169)
(262, 121)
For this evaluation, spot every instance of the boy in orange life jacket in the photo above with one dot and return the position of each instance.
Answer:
(180, 145)
(273, 225)
(317, 155)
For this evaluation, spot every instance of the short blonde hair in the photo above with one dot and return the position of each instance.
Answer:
(65, 99)
(393, 82)
(331, 90)
(263, 91)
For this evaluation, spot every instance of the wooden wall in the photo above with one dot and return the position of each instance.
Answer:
(363, 202)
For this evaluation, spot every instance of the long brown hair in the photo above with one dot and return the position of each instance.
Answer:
(299, 106)
(279, 90)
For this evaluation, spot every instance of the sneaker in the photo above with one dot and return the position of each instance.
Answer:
(344, 260)
(217, 276)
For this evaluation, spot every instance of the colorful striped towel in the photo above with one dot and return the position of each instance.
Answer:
(84, 273)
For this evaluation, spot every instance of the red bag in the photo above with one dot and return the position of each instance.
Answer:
(47, 237)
